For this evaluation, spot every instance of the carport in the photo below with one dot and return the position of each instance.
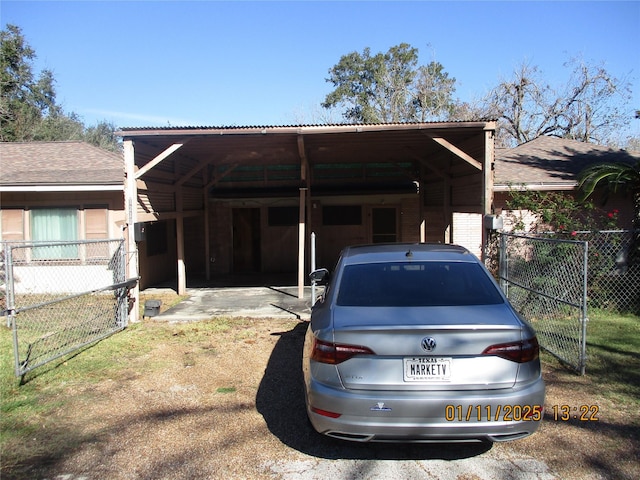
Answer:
(219, 200)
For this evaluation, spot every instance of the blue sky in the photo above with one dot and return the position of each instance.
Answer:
(213, 63)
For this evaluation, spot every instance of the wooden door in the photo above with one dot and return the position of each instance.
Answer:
(246, 240)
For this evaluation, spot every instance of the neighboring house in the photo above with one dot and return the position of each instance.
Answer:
(554, 164)
(60, 191)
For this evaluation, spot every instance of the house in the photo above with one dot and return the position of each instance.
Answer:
(60, 191)
(551, 164)
(232, 204)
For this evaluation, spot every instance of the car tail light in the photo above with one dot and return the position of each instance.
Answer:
(520, 352)
(325, 413)
(334, 353)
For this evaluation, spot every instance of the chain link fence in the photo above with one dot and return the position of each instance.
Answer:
(613, 282)
(61, 296)
(545, 280)
(553, 281)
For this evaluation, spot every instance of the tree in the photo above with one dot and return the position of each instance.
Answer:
(558, 212)
(433, 93)
(103, 135)
(389, 87)
(590, 107)
(24, 100)
(622, 177)
(28, 108)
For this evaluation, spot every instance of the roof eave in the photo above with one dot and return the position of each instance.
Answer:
(63, 188)
(300, 129)
(535, 186)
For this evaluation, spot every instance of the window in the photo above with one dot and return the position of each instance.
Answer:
(416, 284)
(54, 225)
(383, 225)
(283, 216)
(342, 215)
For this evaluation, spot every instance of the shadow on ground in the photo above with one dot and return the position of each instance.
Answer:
(280, 400)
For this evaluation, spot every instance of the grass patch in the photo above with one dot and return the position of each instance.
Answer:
(28, 409)
(613, 355)
(226, 390)
(613, 361)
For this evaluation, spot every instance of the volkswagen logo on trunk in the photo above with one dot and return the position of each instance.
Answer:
(428, 344)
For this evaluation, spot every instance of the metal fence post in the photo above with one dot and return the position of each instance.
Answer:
(11, 302)
(584, 318)
(502, 266)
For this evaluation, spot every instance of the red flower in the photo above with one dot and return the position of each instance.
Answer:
(574, 233)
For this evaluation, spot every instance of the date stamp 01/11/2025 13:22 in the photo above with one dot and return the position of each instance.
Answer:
(517, 413)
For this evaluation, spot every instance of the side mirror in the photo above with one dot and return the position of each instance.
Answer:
(320, 276)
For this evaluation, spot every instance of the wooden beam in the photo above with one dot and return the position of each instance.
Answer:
(301, 237)
(192, 172)
(156, 216)
(207, 239)
(487, 183)
(456, 151)
(159, 159)
(216, 180)
(304, 163)
(131, 210)
(155, 187)
(182, 274)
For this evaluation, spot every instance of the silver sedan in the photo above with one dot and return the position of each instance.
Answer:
(416, 342)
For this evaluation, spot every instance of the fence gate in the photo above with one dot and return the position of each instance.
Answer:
(546, 281)
(61, 296)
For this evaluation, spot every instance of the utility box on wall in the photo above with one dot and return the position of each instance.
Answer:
(140, 231)
(493, 222)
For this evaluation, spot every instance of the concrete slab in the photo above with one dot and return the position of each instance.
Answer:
(255, 302)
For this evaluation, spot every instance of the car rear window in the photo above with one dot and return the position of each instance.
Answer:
(416, 284)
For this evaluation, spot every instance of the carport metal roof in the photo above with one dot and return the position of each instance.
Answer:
(172, 172)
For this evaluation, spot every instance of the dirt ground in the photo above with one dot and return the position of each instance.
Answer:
(231, 405)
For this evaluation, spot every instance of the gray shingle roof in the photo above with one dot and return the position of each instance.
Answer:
(58, 163)
(552, 161)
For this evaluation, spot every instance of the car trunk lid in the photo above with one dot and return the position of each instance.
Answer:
(427, 348)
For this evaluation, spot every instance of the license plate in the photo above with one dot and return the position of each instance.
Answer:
(427, 369)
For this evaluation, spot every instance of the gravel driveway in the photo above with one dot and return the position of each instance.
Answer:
(230, 405)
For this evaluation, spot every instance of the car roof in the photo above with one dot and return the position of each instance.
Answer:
(393, 252)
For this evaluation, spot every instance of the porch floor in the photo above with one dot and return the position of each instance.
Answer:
(254, 295)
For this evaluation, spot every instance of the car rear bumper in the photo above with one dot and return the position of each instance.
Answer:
(496, 415)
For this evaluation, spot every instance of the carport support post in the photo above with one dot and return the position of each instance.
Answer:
(487, 182)
(182, 274)
(131, 204)
(301, 231)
